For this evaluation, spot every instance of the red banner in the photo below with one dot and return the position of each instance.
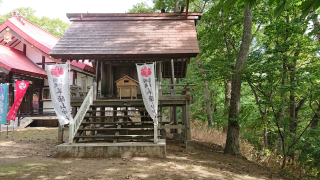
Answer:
(21, 88)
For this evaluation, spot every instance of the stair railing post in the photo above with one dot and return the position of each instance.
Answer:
(155, 131)
(71, 127)
(94, 84)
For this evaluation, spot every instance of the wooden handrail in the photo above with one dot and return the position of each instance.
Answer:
(73, 128)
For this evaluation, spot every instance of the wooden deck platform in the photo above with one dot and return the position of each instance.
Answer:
(129, 102)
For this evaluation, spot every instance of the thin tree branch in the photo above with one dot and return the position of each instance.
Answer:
(253, 36)
(256, 97)
(300, 104)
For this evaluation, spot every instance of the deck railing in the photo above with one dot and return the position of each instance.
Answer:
(73, 128)
(175, 91)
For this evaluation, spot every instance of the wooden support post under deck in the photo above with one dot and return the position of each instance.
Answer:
(114, 114)
(102, 113)
(183, 122)
(187, 118)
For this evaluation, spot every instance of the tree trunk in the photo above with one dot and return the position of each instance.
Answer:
(233, 136)
(293, 106)
(176, 6)
(316, 117)
(207, 100)
(265, 132)
(227, 99)
(213, 105)
(280, 146)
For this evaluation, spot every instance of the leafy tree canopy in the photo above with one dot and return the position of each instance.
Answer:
(54, 26)
(142, 7)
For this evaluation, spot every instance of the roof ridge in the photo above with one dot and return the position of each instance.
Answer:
(126, 76)
(39, 28)
(10, 22)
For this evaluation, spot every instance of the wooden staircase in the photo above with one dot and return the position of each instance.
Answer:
(115, 124)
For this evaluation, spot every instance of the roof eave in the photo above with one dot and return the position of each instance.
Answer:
(125, 56)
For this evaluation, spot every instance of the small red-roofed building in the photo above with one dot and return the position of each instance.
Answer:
(24, 52)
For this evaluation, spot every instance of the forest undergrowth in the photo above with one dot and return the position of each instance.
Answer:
(201, 132)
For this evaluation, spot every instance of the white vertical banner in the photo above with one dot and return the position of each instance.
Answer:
(146, 75)
(58, 78)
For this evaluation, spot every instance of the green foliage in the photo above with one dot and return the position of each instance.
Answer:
(142, 7)
(168, 5)
(54, 26)
(278, 42)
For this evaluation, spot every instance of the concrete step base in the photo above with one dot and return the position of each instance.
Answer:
(106, 150)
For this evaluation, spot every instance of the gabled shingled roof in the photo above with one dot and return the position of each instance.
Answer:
(38, 37)
(128, 36)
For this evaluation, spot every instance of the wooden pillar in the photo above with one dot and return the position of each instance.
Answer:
(24, 49)
(102, 113)
(11, 90)
(103, 80)
(43, 64)
(159, 74)
(31, 99)
(109, 80)
(187, 121)
(114, 114)
(173, 109)
(97, 78)
(74, 77)
(40, 97)
(183, 122)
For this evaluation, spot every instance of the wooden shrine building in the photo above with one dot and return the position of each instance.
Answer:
(114, 43)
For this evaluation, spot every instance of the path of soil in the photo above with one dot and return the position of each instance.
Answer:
(30, 156)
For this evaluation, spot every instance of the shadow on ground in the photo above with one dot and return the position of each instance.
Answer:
(30, 156)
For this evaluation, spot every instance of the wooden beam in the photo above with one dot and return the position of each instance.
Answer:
(43, 62)
(187, 9)
(134, 18)
(84, 15)
(173, 126)
(24, 49)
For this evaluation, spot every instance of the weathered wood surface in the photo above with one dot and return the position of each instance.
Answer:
(120, 129)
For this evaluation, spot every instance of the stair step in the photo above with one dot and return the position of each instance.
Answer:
(114, 110)
(86, 117)
(108, 129)
(117, 136)
(125, 122)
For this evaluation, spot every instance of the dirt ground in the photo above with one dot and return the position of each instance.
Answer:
(30, 156)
